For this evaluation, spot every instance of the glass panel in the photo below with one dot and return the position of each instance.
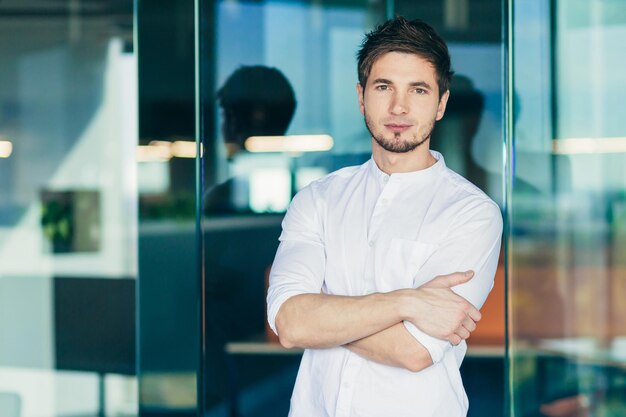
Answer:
(250, 76)
(299, 89)
(169, 290)
(470, 137)
(567, 201)
(68, 251)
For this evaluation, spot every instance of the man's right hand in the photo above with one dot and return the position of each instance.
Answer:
(438, 311)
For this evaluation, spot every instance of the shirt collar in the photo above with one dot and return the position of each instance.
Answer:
(412, 176)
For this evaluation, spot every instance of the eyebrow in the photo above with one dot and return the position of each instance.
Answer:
(412, 84)
(421, 84)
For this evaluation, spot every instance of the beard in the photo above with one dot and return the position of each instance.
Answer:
(395, 143)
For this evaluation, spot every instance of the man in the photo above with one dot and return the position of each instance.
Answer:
(364, 275)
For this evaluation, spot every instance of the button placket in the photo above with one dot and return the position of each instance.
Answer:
(383, 203)
(346, 389)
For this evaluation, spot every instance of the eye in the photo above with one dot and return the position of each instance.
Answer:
(382, 87)
(420, 91)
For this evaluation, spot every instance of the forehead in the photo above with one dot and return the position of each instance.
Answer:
(403, 67)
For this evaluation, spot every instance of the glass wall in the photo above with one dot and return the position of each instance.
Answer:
(282, 74)
(299, 89)
(102, 265)
(168, 331)
(567, 204)
(68, 230)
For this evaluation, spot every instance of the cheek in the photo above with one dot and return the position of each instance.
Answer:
(432, 113)
(375, 106)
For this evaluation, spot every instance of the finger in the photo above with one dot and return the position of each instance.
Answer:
(451, 280)
(454, 339)
(462, 332)
(469, 324)
(474, 314)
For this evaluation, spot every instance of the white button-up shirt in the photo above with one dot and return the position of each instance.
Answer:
(358, 231)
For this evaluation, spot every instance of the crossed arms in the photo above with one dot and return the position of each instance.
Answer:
(407, 328)
(371, 325)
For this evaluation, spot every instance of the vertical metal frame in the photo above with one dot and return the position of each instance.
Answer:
(509, 172)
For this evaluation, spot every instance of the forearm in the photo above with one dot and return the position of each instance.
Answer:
(393, 346)
(323, 321)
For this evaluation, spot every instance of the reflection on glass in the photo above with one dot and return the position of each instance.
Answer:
(567, 245)
(247, 188)
(287, 116)
(169, 291)
(256, 102)
(68, 252)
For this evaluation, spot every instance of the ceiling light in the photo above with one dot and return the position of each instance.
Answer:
(290, 144)
(589, 145)
(6, 148)
(184, 149)
(156, 151)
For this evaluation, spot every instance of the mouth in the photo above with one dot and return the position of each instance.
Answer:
(397, 127)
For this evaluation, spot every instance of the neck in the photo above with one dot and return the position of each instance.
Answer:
(393, 163)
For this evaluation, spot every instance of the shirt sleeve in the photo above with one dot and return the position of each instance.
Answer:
(300, 261)
(472, 243)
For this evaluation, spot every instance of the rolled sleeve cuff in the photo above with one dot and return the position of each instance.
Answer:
(435, 347)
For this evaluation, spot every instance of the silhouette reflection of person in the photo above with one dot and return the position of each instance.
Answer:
(255, 101)
(455, 133)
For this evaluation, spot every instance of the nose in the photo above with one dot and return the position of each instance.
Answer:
(399, 104)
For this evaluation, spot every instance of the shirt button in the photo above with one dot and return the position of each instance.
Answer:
(385, 178)
(384, 201)
(371, 243)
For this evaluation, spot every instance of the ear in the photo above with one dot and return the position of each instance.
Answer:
(441, 108)
(359, 93)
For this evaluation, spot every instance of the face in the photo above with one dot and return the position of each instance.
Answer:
(401, 101)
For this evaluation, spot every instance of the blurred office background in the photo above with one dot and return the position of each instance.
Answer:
(137, 228)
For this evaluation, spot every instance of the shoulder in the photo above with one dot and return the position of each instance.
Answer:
(219, 198)
(335, 182)
(315, 195)
(468, 202)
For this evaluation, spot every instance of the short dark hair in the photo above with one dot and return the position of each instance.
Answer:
(411, 37)
(257, 101)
